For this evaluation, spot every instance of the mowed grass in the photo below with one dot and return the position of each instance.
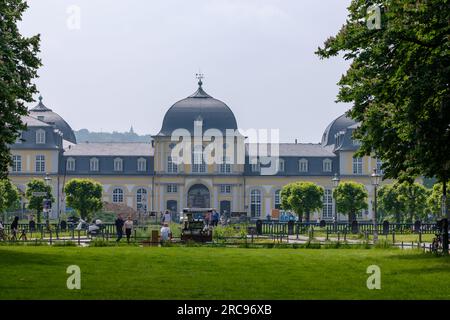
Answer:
(220, 273)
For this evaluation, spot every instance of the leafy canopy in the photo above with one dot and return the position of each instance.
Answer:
(302, 198)
(398, 83)
(37, 202)
(351, 198)
(84, 195)
(9, 195)
(18, 67)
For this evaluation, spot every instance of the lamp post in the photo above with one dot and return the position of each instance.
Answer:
(335, 181)
(376, 177)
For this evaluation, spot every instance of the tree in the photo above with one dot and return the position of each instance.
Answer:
(390, 203)
(302, 198)
(351, 198)
(84, 195)
(414, 197)
(398, 83)
(36, 202)
(9, 196)
(434, 201)
(18, 67)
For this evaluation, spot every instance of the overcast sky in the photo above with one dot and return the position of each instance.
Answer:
(129, 61)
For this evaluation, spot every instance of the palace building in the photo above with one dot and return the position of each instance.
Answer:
(146, 177)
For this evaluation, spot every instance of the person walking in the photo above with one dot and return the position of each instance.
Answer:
(166, 233)
(215, 218)
(119, 227)
(167, 218)
(128, 226)
(14, 227)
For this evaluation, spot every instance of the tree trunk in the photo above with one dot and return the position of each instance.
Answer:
(445, 220)
(351, 218)
(307, 216)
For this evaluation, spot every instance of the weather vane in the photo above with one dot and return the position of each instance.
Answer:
(199, 76)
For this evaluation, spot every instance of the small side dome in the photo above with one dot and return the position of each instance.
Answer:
(339, 124)
(42, 113)
(214, 113)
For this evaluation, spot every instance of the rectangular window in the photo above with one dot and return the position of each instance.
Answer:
(379, 164)
(255, 167)
(327, 211)
(70, 164)
(17, 163)
(225, 188)
(40, 136)
(40, 163)
(327, 166)
(172, 167)
(141, 165)
(303, 165)
(357, 165)
(118, 165)
(225, 167)
(172, 188)
(93, 164)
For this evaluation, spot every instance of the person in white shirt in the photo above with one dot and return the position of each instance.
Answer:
(128, 226)
(167, 218)
(166, 234)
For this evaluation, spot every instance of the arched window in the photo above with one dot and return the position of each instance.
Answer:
(303, 165)
(93, 164)
(277, 199)
(255, 203)
(117, 196)
(141, 200)
(40, 136)
(141, 164)
(70, 165)
(118, 164)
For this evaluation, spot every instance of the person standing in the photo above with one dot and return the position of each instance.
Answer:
(119, 227)
(14, 227)
(166, 234)
(215, 218)
(128, 226)
(167, 218)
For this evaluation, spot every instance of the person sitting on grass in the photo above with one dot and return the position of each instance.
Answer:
(166, 234)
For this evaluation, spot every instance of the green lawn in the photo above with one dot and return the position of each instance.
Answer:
(220, 273)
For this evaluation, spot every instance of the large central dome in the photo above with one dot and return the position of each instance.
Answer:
(214, 113)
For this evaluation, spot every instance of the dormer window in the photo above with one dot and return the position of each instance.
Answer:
(255, 165)
(118, 164)
(40, 136)
(327, 165)
(303, 165)
(93, 164)
(141, 164)
(70, 165)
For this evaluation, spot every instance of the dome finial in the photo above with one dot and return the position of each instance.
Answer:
(199, 76)
(40, 98)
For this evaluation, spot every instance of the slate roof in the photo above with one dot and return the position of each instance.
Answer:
(109, 149)
(33, 122)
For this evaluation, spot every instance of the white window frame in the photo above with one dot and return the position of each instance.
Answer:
(172, 167)
(225, 188)
(255, 203)
(141, 199)
(94, 164)
(225, 166)
(255, 167)
(357, 165)
(141, 164)
(40, 136)
(118, 164)
(327, 210)
(70, 164)
(327, 165)
(16, 163)
(303, 165)
(40, 163)
(277, 198)
(117, 195)
(378, 164)
(172, 188)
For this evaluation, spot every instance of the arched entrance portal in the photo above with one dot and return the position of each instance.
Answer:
(198, 196)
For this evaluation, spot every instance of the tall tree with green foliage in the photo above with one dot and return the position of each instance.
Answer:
(302, 197)
(398, 83)
(434, 201)
(18, 67)
(9, 196)
(351, 198)
(84, 195)
(37, 202)
(414, 197)
(389, 202)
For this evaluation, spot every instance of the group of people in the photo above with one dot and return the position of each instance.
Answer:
(212, 218)
(14, 230)
(124, 226)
